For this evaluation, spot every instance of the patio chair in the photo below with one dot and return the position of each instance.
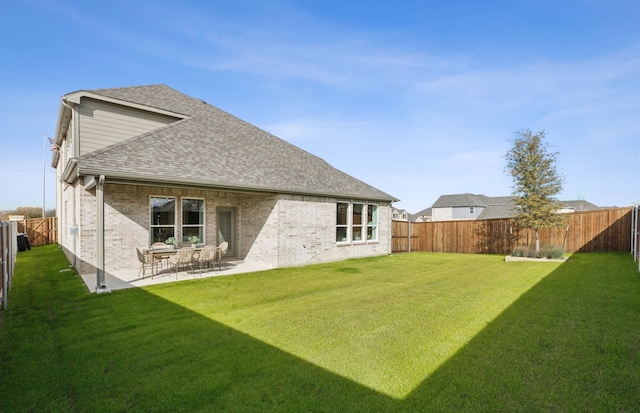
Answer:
(145, 260)
(222, 250)
(182, 258)
(159, 245)
(206, 256)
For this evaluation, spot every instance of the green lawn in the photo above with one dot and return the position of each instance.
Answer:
(413, 332)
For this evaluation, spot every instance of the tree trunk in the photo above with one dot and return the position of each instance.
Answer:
(537, 243)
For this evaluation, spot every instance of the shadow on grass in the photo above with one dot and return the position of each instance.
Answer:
(568, 344)
(187, 362)
(66, 350)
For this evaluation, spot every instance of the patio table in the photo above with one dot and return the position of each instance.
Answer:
(156, 253)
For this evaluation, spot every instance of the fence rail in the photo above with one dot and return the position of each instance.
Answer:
(40, 231)
(591, 231)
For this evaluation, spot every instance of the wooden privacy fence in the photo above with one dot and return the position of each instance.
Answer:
(591, 231)
(40, 231)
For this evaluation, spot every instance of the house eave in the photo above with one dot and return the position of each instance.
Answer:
(64, 117)
(75, 98)
(70, 173)
(62, 125)
(120, 178)
(55, 158)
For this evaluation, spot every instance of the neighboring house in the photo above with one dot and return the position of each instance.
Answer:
(426, 215)
(478, 206)
(137, 165)
(399, 214)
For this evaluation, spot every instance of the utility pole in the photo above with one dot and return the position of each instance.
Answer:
(44, 174)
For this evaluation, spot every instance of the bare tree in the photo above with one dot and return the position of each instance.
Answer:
(28, 212)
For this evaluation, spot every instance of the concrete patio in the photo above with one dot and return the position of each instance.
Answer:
(119, 280)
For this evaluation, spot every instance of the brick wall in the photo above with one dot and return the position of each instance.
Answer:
(308, 232)
(276, 230)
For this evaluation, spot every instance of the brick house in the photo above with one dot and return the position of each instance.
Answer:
(141, 164)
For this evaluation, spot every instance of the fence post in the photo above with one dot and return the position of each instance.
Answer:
(633, 233)
(3, 264)
(8, 250)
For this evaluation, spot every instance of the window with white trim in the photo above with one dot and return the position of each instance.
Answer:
(192, 219)
(357, 229)
(356, 222)
(162, 218)
(342, 222)
(372, 222)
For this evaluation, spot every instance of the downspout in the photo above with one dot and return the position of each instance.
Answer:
(74, 225)
(101, 286)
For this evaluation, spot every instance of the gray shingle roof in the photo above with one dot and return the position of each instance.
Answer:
(580, 205)
(497, 206)
(156, 96)
(461, 200)
(427, 212)
(215, 149)
(498, 211)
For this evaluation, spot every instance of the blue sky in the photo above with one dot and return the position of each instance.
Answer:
(417, 98)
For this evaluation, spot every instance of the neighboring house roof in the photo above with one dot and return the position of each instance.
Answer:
(212, 148)
(497, 206)
(425, 213)
(471, 200)
(580, 205)
(461, 200)
(498, 211)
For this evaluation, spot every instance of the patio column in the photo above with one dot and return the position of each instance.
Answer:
(101, 286)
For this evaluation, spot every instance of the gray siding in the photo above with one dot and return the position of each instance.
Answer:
(103, 124)
(465, 212)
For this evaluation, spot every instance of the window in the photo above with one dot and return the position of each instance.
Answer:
(372, 222)
(471, 210)
(342, 222)
(192, 219)
(162, 219)
(357, 227)
(351, 225)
